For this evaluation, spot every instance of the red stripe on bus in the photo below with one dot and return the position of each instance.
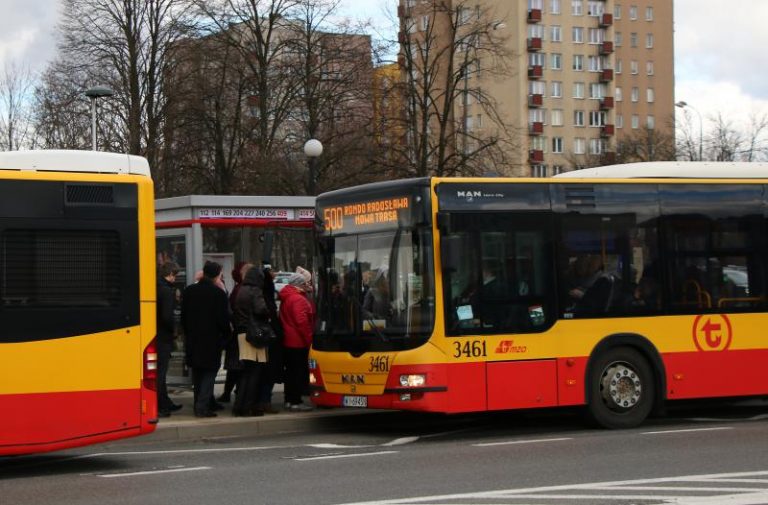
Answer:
(41, 422)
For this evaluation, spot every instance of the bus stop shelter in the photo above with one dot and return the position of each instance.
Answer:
(228, 229)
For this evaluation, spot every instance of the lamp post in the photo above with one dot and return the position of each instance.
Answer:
(94, 93)
(683, 105)
(313, 148)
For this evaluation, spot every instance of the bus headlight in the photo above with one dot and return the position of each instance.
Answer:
(413, 380)
(312, 378)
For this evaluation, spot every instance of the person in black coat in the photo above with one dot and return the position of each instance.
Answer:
(206, 323)
(166, 298)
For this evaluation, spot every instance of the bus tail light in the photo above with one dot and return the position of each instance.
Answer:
(150, 367)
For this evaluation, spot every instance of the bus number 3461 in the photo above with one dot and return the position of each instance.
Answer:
(473, 349)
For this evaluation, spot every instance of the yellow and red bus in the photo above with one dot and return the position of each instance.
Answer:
(77, 299)
(615, 288)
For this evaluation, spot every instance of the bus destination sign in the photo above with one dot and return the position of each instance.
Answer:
(361, 217)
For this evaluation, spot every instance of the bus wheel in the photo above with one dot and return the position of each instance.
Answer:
(621, 389)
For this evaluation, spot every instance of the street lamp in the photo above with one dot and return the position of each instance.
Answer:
(313, 148)
(683, 105)
(94, 93)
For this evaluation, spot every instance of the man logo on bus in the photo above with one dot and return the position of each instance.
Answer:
(469, 194)
(712, 332)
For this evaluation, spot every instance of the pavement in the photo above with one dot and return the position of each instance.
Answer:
(184, 426)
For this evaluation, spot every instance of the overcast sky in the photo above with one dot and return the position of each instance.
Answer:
(720, 57)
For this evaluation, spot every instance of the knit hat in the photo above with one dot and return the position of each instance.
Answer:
(305, 274)
(296, 280)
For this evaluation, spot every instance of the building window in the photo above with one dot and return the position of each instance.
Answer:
(537, 88)
(537, 116)
(648, 40)
(557, 89)
(577, 7)
(619, 65)
(557, 169)
(649, 67)
(595, 8)
(619, 121)
(635, 94)
(617, 39)
(536, 59)
(554, 6)
(557, 61)
(633, 67)
(650, 122)
(635, 121)
(618, 94)
(557, 33)
(539, 144)
(596, 146)
(577, 34)
(556, 117)
(649, 13)
(650, 95)
(557, 145)
(595, 63)
(539, 170)
(424, 23)
(633, 12)
(617, 11)
(596, 118)
(596, 35)
(578, 118)
(579, 145)
(596, 90)
(536, 32)
(578, 62)
(578, 90)
(633, 39)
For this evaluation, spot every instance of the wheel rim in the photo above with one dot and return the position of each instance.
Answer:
(620, 387)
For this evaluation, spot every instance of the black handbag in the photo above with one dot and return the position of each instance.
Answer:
(259, 333)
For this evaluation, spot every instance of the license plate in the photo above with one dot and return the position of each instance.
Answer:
(355, 401)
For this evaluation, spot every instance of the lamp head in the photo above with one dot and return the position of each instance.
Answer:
(99, 91)
(313, 148)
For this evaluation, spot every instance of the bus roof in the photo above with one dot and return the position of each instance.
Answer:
(673, 169)
(74, 161)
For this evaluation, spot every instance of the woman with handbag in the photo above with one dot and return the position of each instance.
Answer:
(251, 312)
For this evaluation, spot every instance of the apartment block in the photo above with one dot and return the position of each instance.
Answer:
(585, 75)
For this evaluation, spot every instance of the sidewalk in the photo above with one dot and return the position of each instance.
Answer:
(183, 425)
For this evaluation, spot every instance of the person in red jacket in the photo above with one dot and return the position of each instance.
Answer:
(297, 320)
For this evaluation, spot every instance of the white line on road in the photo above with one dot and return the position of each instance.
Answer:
(515, 442)
(154, 472)
(181, 451)
(400, 441)
(339, 456)
(691, 430)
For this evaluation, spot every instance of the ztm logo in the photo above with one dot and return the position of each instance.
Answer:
(712, 332)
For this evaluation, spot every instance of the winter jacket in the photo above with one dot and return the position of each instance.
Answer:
(297, 318)
(250, 300)
(205, 318)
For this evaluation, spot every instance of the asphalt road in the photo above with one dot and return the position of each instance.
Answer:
(695, 455)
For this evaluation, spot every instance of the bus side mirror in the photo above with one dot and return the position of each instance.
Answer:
(450, 252)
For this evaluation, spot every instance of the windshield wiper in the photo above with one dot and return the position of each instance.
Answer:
(370, 320)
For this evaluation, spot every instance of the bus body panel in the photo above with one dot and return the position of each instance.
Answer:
(83, 388)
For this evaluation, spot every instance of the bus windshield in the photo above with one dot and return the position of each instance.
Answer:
(376, 291)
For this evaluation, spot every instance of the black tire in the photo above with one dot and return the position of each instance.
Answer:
(621, 389)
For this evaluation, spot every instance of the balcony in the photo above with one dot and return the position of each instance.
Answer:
(606, 103)
(536, 128)
(534, 16)
(606, 48)
(535, 72)
(534, 44)
(606, 131)
(536, 156)
(606, 75)
(606, 20)
(535, 100)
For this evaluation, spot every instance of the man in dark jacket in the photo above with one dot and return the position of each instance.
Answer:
(166, 299)
(205, 318)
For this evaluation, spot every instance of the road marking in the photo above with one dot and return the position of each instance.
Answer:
(570, 492)
(153, 472)
(181, 451)
(339, 456)
(516, 442)
(691, 430)
(401, 441)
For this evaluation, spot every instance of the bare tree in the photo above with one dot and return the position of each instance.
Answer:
(646, 144)
(446, 48)
(16, 88)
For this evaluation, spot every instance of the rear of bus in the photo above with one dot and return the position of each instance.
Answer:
(77, 300)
